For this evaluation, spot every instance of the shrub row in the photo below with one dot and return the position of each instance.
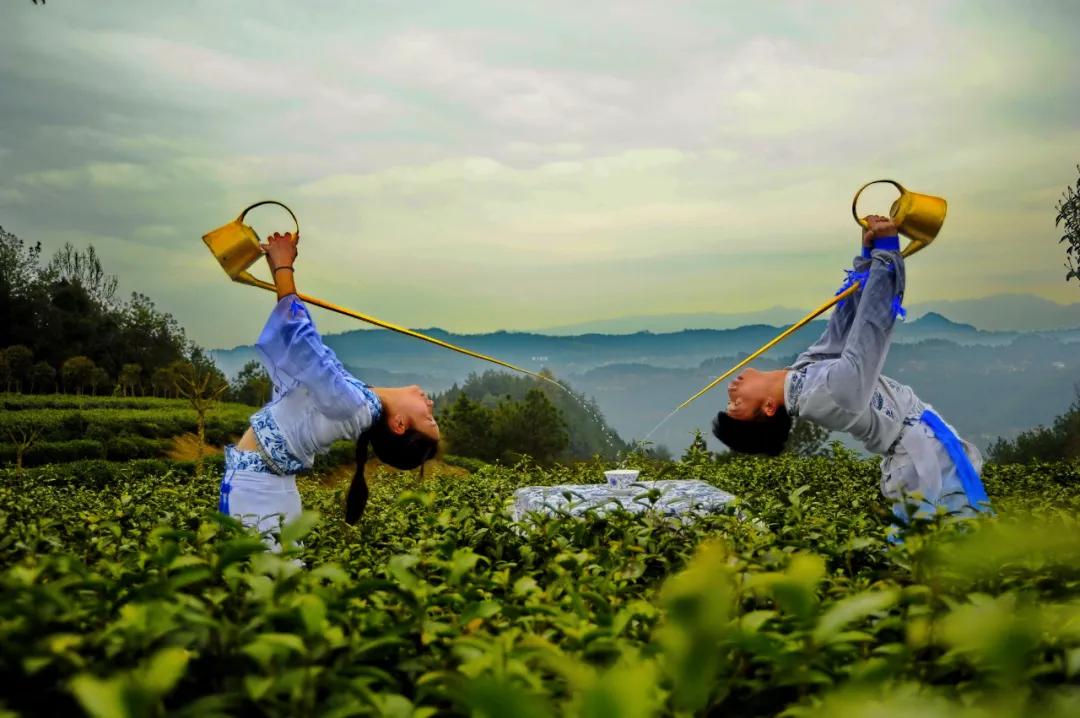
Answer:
(121, 448)
(17, 402)
(122, 592)
(102, 424)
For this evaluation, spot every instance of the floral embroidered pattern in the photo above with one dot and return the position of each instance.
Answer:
(272, 440)
(238, 460)
(677, 498)
(796, 380)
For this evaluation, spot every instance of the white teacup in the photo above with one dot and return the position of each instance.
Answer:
(621, 478)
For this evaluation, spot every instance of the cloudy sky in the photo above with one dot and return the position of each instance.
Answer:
(478, 166)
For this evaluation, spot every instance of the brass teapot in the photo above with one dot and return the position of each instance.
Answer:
(236, 246)
(917, 216)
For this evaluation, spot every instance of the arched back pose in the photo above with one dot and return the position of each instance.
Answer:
(837, 383)
(315, 403)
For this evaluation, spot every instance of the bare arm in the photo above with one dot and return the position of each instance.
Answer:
(281, 256)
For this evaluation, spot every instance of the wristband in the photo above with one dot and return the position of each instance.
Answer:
(276, 269)
(891, 244)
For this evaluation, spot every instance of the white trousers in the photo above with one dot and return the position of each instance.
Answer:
(920, 463)
(261, 499)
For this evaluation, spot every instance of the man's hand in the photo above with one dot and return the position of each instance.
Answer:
(878, 227)
(280, 250)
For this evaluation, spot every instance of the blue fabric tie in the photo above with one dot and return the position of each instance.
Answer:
(898, 308)
(223, 501)
(969, 479)
(849, 281)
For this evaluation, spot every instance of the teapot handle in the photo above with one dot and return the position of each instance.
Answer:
(279, 204)
(854, 213)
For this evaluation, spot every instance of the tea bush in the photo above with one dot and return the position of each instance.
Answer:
(123, 593)
(105, 423)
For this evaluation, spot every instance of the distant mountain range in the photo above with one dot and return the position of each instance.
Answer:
(1001, 312)
(988, 383)
(377, 350)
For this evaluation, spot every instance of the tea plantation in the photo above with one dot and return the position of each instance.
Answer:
(122, 593)
(69, 428)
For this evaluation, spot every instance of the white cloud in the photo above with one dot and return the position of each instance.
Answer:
(102, 175)
(450, 69)
(500, 158)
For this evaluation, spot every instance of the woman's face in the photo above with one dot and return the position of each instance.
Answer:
(416, 408)
(746, 395)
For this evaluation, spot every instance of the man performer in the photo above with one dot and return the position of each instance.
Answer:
(837, 383)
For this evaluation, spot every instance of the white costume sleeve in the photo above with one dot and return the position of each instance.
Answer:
(292, 351)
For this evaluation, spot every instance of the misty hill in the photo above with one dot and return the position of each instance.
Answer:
(565, 355)
(988, 384)
(984, 392)
(1001, 312)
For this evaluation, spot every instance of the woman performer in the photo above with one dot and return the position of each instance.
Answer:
(315, 403)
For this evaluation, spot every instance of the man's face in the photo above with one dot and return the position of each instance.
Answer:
(746, 395)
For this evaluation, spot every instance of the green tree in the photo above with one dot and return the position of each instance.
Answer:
(21, 295)
(83, 268)
(252, 385)
(1053, 443)
(807, 439)
(589, 433)
(532, 427)
(19, 360)
(148, 337)
(5, 373)
(163, 381)
(200, 382)
(130, 379)
(69, 308)
(42, 378)
(1069, 215)
(467, 428)
(77, 373)
(100, 381)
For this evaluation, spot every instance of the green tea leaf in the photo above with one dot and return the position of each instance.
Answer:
(101, 698)
(851, 609)
(299, 527)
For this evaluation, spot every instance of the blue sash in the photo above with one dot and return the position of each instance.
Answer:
(969, 478)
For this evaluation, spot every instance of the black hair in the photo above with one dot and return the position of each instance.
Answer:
(402, 451)
(761, 435)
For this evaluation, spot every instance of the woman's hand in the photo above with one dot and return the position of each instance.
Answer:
(280, 250)
(878, 227)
